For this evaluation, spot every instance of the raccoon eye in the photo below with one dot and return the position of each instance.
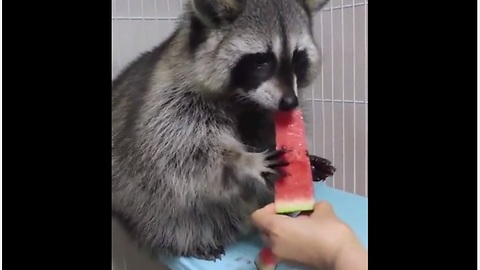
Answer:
(253, 69)
(264, 65)
(261, 64)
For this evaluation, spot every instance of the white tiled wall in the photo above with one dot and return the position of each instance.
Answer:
(340, 94)
(337, 103)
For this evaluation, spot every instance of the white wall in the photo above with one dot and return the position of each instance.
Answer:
(340, 94)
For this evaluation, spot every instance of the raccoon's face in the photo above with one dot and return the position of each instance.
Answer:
(272, 78)
(262, 51)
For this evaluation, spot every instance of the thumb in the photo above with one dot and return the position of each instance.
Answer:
(263, 217)
(323, 209)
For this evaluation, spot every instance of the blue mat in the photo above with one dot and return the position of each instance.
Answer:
(352, 209)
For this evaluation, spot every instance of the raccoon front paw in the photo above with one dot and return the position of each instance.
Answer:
(321, 168)
(209, 253)
(275, 163)
(266, 166)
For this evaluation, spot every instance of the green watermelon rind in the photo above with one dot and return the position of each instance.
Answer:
(288, 206)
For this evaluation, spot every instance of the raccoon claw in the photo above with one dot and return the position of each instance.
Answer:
(274, 162)
(210, 254)
(321, 168)
(276, 154)
(275, 159)
(266, 167)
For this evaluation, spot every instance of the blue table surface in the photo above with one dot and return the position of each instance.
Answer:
(352, 209)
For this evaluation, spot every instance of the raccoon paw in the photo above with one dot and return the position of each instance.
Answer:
(275, 162)
(266, 166)
(209, 253)
(321, 168)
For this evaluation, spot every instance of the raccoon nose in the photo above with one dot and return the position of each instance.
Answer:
(288, 103)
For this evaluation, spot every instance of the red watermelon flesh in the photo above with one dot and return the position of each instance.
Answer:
(265, 260)
(294, 192)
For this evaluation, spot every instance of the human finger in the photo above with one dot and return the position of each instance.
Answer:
(263, 217)
(323, 209)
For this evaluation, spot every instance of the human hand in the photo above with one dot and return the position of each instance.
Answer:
(320, 240)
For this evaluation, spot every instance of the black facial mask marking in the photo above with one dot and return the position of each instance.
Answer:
(252, 70)
(300, 65)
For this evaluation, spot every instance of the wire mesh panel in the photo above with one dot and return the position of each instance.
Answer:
(336, 105)
(339, 99)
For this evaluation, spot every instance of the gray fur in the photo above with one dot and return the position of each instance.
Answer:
(189, 154)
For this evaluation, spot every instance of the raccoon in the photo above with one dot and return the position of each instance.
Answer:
(193, 139)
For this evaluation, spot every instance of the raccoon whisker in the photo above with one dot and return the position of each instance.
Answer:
(242, 98)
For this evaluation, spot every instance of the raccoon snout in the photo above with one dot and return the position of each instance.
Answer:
(288, 102)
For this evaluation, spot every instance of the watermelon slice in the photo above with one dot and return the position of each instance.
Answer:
(294, 192)
(266, 260)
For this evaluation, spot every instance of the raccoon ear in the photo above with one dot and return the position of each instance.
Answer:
(315, 5)
(217, 12)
